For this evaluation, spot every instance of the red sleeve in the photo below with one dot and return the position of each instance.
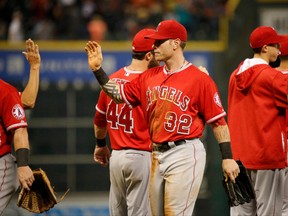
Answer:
(100, 119)
(131, 92)
(100, 112)
(220, 122)
(210, 103)
(13, 115)
(280, 88)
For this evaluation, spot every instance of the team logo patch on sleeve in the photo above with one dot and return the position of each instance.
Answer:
(18, 112)
(217, 99)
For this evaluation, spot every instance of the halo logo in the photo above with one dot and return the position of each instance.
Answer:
(217, 100)
(18, 112)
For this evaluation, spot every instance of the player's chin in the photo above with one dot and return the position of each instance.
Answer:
(158, 57)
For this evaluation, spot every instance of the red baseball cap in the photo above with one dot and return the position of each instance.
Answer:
(169, 29)
(284, 47)
(141, 44)
(264, 35)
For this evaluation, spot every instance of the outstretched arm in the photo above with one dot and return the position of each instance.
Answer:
(29, 95)
(95, 59)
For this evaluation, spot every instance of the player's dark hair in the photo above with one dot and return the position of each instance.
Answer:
(257, 50)
(139, 55)
(182, 45)
(276, 63)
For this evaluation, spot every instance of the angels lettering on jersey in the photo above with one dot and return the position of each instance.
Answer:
(173, 95)
(169, 94)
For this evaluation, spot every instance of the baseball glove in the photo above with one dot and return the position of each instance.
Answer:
(41, 196)
(242, 190)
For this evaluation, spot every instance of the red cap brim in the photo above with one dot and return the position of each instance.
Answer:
(282, 38)
(156, 37)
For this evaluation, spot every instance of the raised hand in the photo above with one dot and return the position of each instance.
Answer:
(32, 53)
(94, 52)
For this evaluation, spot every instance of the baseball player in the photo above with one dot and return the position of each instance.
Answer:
(177, 99)
(29, 94)
(13, 129)
(130, 161)
(257, 101)
(284, 69)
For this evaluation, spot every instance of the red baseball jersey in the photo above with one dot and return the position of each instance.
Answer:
(285, 72)
(176, 105)
(12, 115)
(257, 102)
(126, 126)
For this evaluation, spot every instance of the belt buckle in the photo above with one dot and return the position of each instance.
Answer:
(171, 144)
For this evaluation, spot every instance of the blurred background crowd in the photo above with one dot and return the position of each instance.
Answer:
(105, 19)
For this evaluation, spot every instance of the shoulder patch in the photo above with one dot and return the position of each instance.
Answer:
(18, 112)
(217, 99)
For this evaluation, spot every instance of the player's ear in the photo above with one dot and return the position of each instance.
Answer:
(265, 49)
(149, 56)
(176, 43)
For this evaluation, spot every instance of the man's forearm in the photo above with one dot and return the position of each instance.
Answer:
(100, 135)
(100, 132)
(20, 138)
(222, 135)
(111, 88)
(29, 94)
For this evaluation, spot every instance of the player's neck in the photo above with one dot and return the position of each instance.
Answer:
(170, 68)
(265, 57)
(283, 66)
(137, 65)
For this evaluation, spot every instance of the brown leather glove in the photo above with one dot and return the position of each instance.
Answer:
(41, 196)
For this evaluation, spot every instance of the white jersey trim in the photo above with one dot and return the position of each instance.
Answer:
(99, 110)
(250, 63)
(216, 117)
(127, 71)
(17, 125)
(186, 65)
(283, 71)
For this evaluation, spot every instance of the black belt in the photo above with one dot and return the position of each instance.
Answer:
(163, 147)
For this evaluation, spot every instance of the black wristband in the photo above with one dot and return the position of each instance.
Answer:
(226, 151)
(22, 157)
(101, 76)
(101, 142)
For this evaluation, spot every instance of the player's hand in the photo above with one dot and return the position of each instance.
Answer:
(102, 155)
(32, 53)
(25, 176)
(203, 69)
(230, 169)
(94, 52)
